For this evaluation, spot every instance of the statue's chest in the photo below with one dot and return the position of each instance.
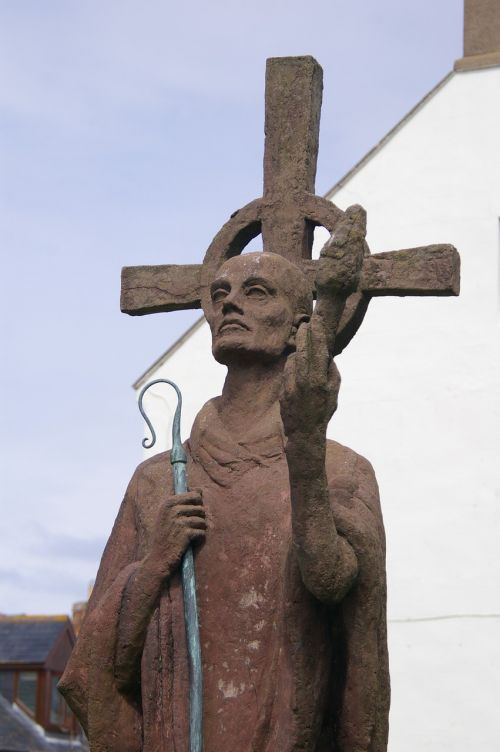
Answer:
(242, 561)
(249, 519)
(241, 573)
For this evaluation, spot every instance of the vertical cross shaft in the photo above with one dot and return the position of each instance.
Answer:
(294, 88)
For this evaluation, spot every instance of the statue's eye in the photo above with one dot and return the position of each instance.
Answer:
(256, 291)
(218, 295)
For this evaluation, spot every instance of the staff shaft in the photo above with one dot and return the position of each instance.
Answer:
(178, 459)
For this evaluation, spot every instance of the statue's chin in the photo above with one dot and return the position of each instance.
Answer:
(242, 353)
(228, 353)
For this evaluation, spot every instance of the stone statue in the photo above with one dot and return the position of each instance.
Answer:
(287, 527)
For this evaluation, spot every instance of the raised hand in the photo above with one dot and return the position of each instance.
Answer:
(311, 382)
(327, 563)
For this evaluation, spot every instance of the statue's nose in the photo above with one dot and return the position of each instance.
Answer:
(231, 304)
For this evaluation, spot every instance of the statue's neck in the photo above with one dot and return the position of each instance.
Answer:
(250, 395)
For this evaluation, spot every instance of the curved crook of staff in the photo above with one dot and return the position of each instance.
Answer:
(178, 459)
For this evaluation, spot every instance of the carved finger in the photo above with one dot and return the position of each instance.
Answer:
(334, 376)
(289, 376)
(319, 355)
(333, 385)
(302, 355)
(197, 523)
(189, 497)
(190, 511)
(196, 535)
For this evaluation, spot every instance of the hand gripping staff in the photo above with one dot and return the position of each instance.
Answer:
(178, 459)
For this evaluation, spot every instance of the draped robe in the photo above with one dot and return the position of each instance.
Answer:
(282, 672)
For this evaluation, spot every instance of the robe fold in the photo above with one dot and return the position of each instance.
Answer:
(282, 672)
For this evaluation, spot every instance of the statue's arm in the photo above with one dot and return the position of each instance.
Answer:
(139, 599)
(180, 521)
(311, 382)
(327, 562)
(97, 639)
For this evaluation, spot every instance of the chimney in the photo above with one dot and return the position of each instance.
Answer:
(78, 614)
(481, 35)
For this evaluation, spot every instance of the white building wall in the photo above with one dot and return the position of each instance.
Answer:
(420, 398)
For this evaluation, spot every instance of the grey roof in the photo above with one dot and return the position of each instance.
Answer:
(28, 640)
(18, 733)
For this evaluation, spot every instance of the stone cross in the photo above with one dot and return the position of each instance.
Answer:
(286, 216)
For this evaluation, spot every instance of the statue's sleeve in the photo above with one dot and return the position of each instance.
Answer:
(364, 709)
(110, 720)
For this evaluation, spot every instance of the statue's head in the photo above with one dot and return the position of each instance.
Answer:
(258, 301)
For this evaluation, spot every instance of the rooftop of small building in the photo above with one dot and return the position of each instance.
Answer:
(29, 639)
(18, 733)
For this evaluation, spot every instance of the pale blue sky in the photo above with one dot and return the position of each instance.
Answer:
(120, 123)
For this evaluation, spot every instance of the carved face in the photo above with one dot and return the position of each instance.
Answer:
(253, 313)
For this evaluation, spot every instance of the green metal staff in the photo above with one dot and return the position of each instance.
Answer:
(178, 459)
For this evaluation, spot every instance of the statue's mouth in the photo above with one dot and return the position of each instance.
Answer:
(232, 324)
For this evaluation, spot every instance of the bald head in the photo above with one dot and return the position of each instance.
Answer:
(257, 302)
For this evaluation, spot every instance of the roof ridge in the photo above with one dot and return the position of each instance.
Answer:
(33, 617)
(167, 353)
(387, 137)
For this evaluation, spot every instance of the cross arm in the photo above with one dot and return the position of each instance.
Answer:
(427, 270)
(157, 289)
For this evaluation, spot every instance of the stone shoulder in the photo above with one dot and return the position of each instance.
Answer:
(153, 464)
(341, 460)
(152, 478)
(352, 482)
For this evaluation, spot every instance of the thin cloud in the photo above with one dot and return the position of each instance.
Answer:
(61, 546)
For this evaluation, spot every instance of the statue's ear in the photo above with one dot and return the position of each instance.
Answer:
(298, 319)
